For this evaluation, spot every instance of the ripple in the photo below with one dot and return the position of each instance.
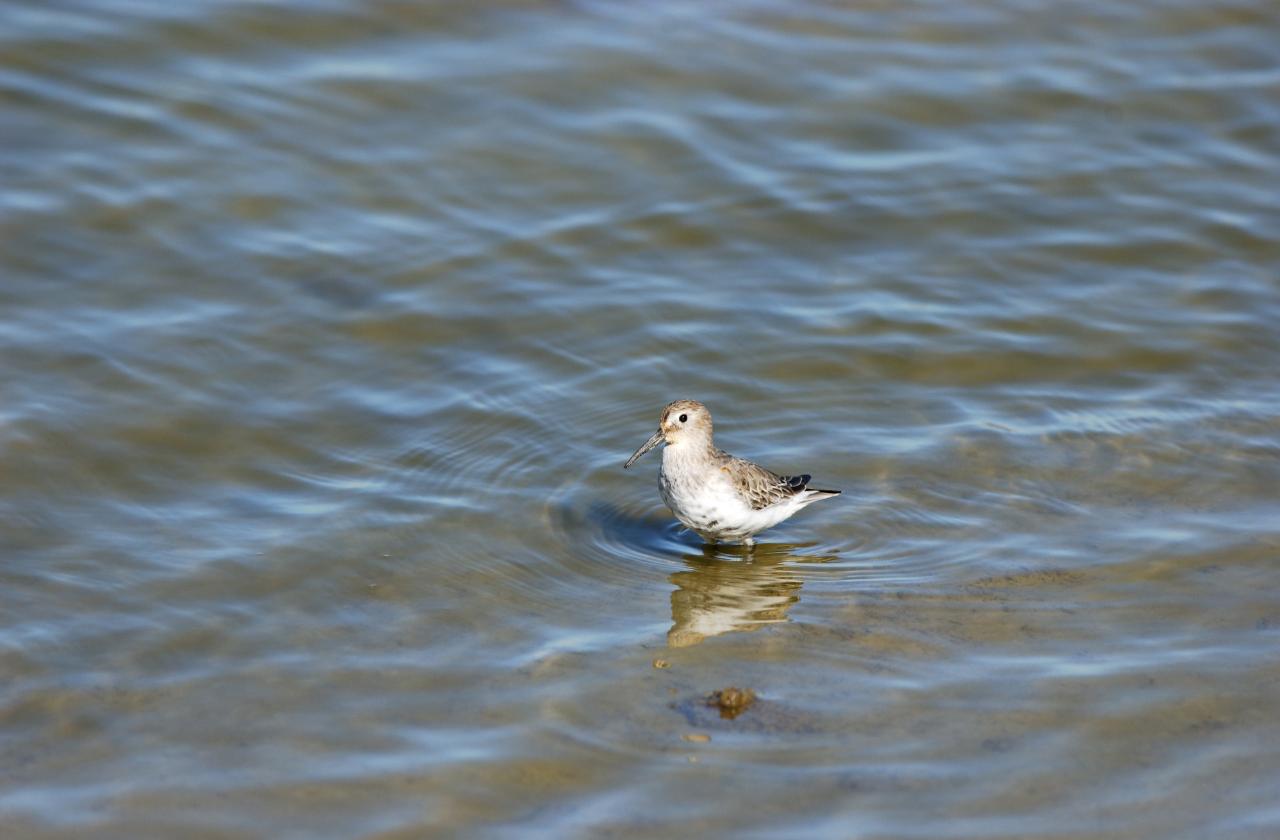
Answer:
(328, 334)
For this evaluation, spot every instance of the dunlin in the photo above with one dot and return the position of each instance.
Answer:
(712, 493)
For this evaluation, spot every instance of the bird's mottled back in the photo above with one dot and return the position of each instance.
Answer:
(758, 486)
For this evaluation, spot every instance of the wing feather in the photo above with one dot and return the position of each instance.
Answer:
(760, 487)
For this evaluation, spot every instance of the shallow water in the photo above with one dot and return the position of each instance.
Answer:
(328, 325)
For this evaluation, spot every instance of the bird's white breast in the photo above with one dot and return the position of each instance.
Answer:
(704, 498)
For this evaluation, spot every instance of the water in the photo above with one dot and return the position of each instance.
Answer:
(328, 325)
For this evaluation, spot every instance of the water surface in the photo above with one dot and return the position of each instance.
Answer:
(326, 327)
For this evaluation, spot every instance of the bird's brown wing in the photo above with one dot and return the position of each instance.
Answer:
(760, 487)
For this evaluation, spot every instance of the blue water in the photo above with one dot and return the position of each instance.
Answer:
(326, 327)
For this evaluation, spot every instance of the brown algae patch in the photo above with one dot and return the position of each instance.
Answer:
(715, 711)
(1050, 577)
(731, 701)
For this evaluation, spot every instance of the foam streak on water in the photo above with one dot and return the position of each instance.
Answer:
(326, 327)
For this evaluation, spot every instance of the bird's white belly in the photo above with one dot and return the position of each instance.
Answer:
(712, 507)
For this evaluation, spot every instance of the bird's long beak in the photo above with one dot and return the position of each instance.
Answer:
(648, 444)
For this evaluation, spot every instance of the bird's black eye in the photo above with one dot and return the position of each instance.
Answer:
(683, 418)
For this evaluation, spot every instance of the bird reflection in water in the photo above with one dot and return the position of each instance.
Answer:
(723, 588)
(727, 589)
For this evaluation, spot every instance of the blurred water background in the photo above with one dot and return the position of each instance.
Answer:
(326, 326)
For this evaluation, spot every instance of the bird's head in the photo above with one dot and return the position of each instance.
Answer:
(682, 422)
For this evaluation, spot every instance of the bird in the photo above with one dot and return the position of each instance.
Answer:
(717, 496)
